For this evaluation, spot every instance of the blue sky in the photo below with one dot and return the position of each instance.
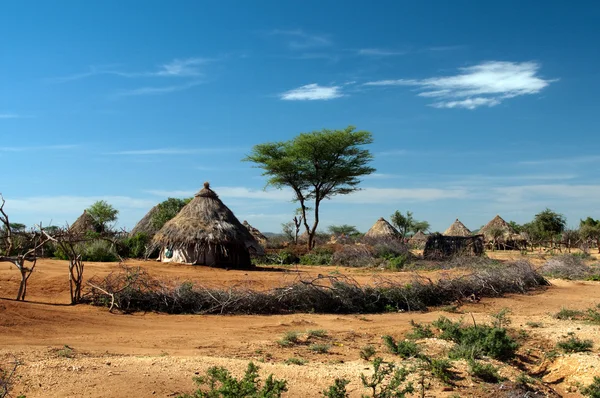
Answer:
(477, 108)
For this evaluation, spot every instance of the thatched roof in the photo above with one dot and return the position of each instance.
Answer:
(260, 238)
(497, 223)
(382, 229)
(203, 222)
(457, 229)
(145, 224)
(419, 237)
(85, 223)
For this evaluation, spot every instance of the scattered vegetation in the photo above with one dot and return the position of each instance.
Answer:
(320, 333)
(296, 361)
(484, 371)
(387, 381)
(319, 348)
(367, 352)
(566, 266)
(403, 348)
(593, 390)
(419, 331)
(534, 325)
(441, 368)
(290, 338)
(7, 374)
(575, 344)
(337, 390)
(65, 352)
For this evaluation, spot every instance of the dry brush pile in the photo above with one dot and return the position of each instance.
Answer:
(132, 289)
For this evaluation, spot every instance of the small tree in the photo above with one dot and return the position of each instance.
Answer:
(103, 213)
(546, 225)
(345, 229)
(316, 166)
(405, 223)
(167, 210)
(590, 230)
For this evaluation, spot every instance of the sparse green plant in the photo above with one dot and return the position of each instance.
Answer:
(440, 368)
(289, 338)
(575, 344)
(551, 355)
(403, 348)
(501, 319)
(387, 381)
(317, 333)
(65, 352)
(295, 361)
(524, 381)
(367, 352)
(453, 309)
(568, 314)
(593, 390)
(319, 348)
(484, 371)
(337, 389)
(535, 325)
(219, 383)
(419, 331)
(7, 374)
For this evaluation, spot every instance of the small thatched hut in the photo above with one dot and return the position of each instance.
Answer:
(206, 232)
(457, 229)
(499, 232)
(260, 238)
(439, 247)
(382, 230)
(418, 240)
(145, 224)
(85, 223)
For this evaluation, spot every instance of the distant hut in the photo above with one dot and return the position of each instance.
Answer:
(260, 238)
(418, 240)
(499, 232)
(457, 229)
(206, 232)
(440, 247)
(145, 225)
(382, 230)
(85, 223)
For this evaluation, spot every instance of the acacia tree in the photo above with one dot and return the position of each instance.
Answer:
(405, 223)
(316, 166)
(103, 213)
(590, 229)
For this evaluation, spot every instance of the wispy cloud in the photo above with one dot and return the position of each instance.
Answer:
(379, 52)
(312, 92)
(298, 39)
(10, 116)
(486, 84)
(567, 160)
(393, 152)
(37, 148)
(157, 90)
(175, 151)
(517, 194)
(284, 195)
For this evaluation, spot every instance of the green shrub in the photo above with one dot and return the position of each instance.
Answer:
(404, 348)
(593, 390)
(367, 352)
(440, 368)
(219, 383)
(337, 390)
(295, 361)
(484, 371)
(318, 256)
(568, 314)
(319, 348)
(134, 246)
(289, 338)
(574, 344)
(387, 381)
(317, 333)
(420, 331)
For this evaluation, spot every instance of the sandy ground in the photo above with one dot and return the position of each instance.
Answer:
(141, 355)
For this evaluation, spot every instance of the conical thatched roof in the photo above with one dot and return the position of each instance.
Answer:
(419, 237)
(260, 238)
(145, 224)
(508, 233)
(204, 222)
(457, 229)
(85, 223)
(382, 229)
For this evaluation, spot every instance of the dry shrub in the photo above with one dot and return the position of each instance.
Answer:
(566, 266)
(354, 256)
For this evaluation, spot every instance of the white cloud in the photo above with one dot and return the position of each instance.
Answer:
(581, 193)
(300, 40)
(571, 160)
(10, 116)
(379, 52)
(174, 151)
(157, 90)
(486, 84)
(38, 148)
(312, 92)
(182, 67)
(393, 195)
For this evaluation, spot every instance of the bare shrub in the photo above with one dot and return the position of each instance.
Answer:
(133, 289)
(354, 256)
(566, 266)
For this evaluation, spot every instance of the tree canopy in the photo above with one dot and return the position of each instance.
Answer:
(316, 166)
(405, 223)
(547, 224)
(345, 229)
(167, 210)
(103, 214)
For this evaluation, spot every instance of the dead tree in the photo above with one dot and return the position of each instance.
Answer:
(23, 253)
(69, 241)
(297, 224)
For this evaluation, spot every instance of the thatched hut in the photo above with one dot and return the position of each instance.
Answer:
(260, 238)
(145, 225)
(439, 247)
(382, 230)
(418, 240)
(457, 229)
(499, 232)
(84, 224)
(206, 232)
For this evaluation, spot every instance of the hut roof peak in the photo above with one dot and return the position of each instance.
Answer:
(206, 192)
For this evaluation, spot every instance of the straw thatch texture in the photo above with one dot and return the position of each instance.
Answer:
(419, 239)
(439, 247)
(206, 232)
(507, 237)
(457, 229)
(260, 238)
(85, 223)
(382, 229)
(145, 225)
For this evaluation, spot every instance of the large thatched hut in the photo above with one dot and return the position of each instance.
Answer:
(439, 247)
(145, 225)
(260, 238)
(382, 230)
(206, 232)
(457, 229)
(499, 232)
(84, 224)
(418, 240)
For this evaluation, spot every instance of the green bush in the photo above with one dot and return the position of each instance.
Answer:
(574, 344)
(93, 250)
(337, 390)
(440, 368)
(295, 361)
(593, 390)
(219, 383)
(420, 331)
(289, 338)
(404, 348)
(134, 246)
(484, 371)
(367, 352)
(319, 348)
(318, 256)
(387, 381)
